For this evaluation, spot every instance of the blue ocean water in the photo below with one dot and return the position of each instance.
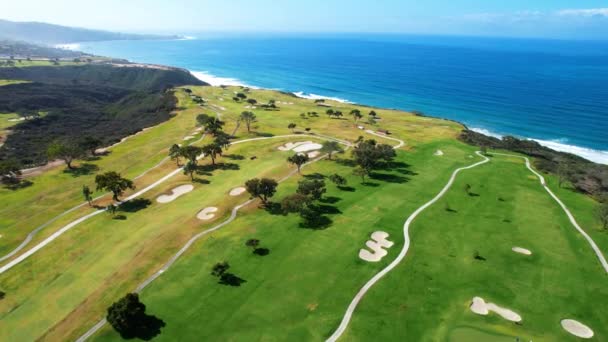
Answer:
(549, 90)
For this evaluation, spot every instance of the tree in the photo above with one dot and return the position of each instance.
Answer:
(112, 181)
(175, 152)
(191, 153)
(248, 118)
(291, 126)
(222, 139)
(361, 172)
(126, 314)
(202, 119)
(371, 120)
(372, 114)
(111, 208)
(338, 114)
(86, 193)
(330, 147)
(252, 101)
(602, 214)
(241, 96)
(65, 152)
(263, 188)
(90, 144)
(214, 125)
(311, 188)
(329, 112)
(356, 114)
(212, 150)
(9, 171)
(294, 203)
(368, 154)
(337, 179)
(253, 243)
(298, 160)
(189, 169)
(219, 269)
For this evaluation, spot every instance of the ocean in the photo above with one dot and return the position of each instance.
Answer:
(552, 91)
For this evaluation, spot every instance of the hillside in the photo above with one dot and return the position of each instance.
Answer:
(457, 221)
(104, 102)
(43, 33)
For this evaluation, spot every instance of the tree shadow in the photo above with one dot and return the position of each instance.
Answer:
(319, 222)
(18, 184)
(135, 205)
(328, 209)
(262, 251)
(389, 178)
(202, 169)
(346, 188)
(370, 184)
(119, 217)
(313, 216)
(201, 181)
(265, 135)
(330, 200)
(231, 279)
(234, 156)
(450, 210)
(315, 175)
(145, 328)
(82, 170)
(472, 194)
(345, 162)
(274, 209)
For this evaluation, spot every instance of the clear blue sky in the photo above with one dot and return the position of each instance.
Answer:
(583, 19)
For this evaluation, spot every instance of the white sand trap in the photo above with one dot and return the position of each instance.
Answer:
(521, 250)
(290, 145)
(438, 153)
(377, 244)
(237, 191)
(200, 129)
(577, 328)
(14, 120)
(176, 192)
(480, 307)
(307, 147)
(188, 137)
(206, 214)
(313, 154)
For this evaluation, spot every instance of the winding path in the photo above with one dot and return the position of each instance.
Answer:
(74, 223)
(406, 246)
(351, 308)
(192, 240)
(595, 248)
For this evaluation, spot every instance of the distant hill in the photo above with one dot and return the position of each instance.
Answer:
(50, 34)
(21, 49)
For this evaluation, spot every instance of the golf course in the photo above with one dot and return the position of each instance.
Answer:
(398, 249)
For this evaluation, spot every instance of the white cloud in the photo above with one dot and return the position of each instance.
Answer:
(590, 12)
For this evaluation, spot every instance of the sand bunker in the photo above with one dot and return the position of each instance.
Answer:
(313, 154)
(307, 147)
(438, 153)
(377, 244)
(206, 214)
(237, 191)
(15, 120)
(521, 250)
(480, 307)
(577, 328)
(188, 137)
(289, 146)
(176, 192)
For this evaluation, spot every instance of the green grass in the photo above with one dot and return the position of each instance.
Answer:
(25, 63)
(301, 289)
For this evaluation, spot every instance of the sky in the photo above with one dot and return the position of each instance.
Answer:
(565, 19)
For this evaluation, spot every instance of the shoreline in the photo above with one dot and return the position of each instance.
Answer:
(593, 155)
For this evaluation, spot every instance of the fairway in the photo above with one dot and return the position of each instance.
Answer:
(300, 289)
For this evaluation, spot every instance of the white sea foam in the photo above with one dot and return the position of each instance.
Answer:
(218, 81)
(186, 38)
(596, 156)
(72, 46)
(319, 97)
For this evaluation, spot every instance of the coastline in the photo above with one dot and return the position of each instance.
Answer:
(593, 155)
